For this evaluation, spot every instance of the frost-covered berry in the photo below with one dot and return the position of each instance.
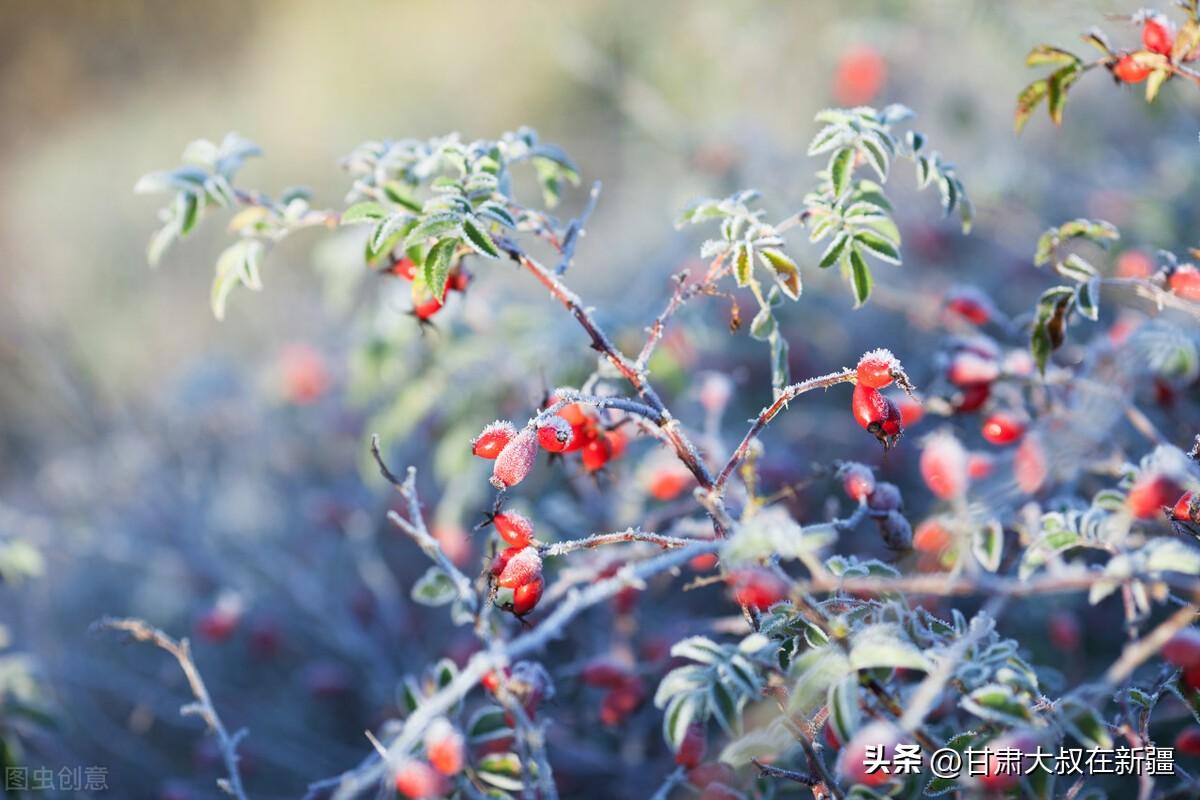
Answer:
(757, 588)
(886, 497)
(520, 568)
(526, 596)
(417, 780)
(1150, 493)
(492, 439)
(896, 532)
(1186, 508)
(877, 368)
(1185, 282)
(857, 480)
(515, 461)
(1157, 36)
(968, 368)
(555, 435)
(444, 747)
(692, 747)
(1003, 428)
(515, 529)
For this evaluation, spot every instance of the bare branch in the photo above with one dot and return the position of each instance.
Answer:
(618, 537)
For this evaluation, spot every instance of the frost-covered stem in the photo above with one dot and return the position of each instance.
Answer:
(684, 449)
(682, 293)
(566, 397)
(767, 414)
(533, 739)
(787, 774)
(617, 537)
(181, 651)
(1155, 294)
(676, 777)
(414, 527)
(354, 782)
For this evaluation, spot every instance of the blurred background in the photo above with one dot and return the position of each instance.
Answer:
(211, 476)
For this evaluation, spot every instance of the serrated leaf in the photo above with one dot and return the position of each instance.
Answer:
(834, 250)
(478, 239)
(844, 714)
(840, 170)
(763, 324)
(860, 277)
(1060, 81)
(502, 770)
(826, 139)
(876, 157)
(878, 245)
(1082, 722)
(742, 264)
(434, 226)
(723, 708)
(787, 274)
(996, 702)
(1045, 247)
(987, 545)
(884, 645)
(1157, 78)
(678, 716)
(386, 229)
(1076, 268)
(699, 649)
(1027, 102)
(488, 724)
(438, 263)
(434, 588)
(367, 211)
(1047, 54)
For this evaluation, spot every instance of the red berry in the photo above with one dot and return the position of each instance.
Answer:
(444, 747)
(1188, 741)
(1006, 761)
(1134, 264)
(491, 681)
(757, 588)
(876, 368)
(617, 442)
(1191, 678)
(555, 435)
(574, 414)
(853, 762)
(305, 376)
(621, 701)
(427, 309)
(911, 411)
(703, 562)
(1157, 36)
(878, 414)
(944, 466)
(1149, 494)
(971, 398)
(417, 780)
(860, 74)
(1003, 428)
(1183, 649)
(1029, 465)
(970, 304)
(515, 529)
(669, 482)
(1185, 283)
(459, 279)
(493, 439)
(692, 748)
(515, 461)
(857, 480)
(1064, 631)
(932, 536)
(519, 568)
(605, 674)
(596, 453)
(979, 466)
(217, 625)
(404, 268)
(526, 597)
(968, 369)
(1187, 508)
(1128, 70)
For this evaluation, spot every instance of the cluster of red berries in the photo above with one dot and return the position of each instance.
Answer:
(624, 689)
(877, 413)
(444, 758)
(1158, 38)
(425, 302)
(576, 428)
(517, 581)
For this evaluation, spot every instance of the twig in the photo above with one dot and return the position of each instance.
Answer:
(617, 537)
(1136, 653)
(767, 414)
(576, 231)
(787, 774)
(203, 707)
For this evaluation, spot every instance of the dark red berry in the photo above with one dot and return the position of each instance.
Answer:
(555, 435)
(1003, 428)
(515, 529)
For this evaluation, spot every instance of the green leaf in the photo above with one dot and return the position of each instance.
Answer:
(834, 250)
(860, 277)
(238, 264)
(1047, 54)
(434, 226)
(699, 649)
(987, 545)
(1027, 102)
(840, 170)
(996, 702)
(1060, 82)
(763, 324)
(502, 770)
(884, 645)
(488, 724)
(387, 229)
(879, 246)
(367, 211)
(844, 714)
(479, 239)
(1087, 299)
(188, 212)
(742, 264)
(723, 708)
(434, 588)
(787, 274)
(437, 265)
(876, 157)
(678, 716)
(1157, 78)
(1082, 722)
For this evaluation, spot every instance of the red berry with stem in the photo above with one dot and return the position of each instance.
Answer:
(426, 309)
(515, 529)
(515, 461)
(1003, 428)
(1185, 283)
(1188, 741)
(1183, 649)
(519, 568)
(555, 435)
(877, 368)
(493, 439)
(669, 482)
(757, 588)
(1157, 36)
(879, 415)
(1149, 494)
(874, 744)
(403, 268)
(693, 747)
(932, 536)
(1128, 70)
(969, 304)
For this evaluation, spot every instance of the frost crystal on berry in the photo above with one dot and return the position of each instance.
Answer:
(516, 460)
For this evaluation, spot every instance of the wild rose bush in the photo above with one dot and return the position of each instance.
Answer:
(1054, 457)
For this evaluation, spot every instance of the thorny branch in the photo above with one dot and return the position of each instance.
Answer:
(181, 650)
